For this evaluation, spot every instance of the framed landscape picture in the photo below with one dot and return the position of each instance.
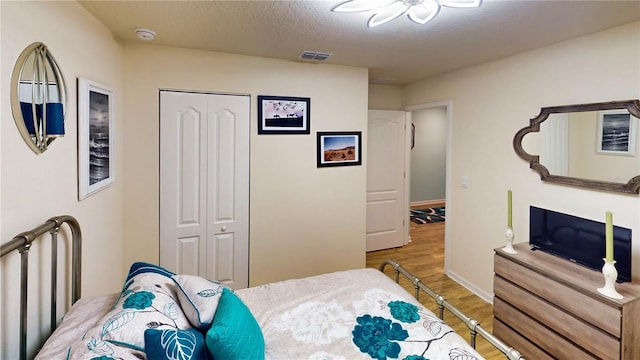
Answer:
(616, 133)
(283, 115)
(339, 148)
(95, 137)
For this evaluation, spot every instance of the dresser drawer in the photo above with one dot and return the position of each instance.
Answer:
(590, 338)
(524, 346)
(601, 315)
(538, 334)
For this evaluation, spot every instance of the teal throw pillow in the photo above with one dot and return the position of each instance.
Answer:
(235, 333)
(169, 344)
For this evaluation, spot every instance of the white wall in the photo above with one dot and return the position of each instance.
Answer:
(304, 220)
(491, 102)
(36, 187)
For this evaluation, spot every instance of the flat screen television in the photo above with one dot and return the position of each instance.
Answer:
(579, 240)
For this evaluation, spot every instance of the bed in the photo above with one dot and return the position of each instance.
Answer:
(354, 314)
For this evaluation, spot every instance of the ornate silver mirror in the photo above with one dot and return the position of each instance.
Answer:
(38, 97)
(588, 145)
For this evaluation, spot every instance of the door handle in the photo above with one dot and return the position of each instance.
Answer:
(223, 228)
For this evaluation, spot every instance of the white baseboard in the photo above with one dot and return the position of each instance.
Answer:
(470, 286)
(428, 203)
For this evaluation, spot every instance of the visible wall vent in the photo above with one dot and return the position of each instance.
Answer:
(383, 81)
(314, 55)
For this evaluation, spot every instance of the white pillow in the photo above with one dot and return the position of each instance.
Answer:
(198, 298)
(148, 301)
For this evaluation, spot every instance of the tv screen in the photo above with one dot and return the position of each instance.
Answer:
(579, 240)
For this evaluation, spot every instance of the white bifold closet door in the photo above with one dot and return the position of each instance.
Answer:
(204, 185)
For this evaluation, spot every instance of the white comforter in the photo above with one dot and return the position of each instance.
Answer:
(356, 314)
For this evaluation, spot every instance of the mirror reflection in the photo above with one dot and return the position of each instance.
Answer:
(588, 145)
(38, 97)
(591, 145)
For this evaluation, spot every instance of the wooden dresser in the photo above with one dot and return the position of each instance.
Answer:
(547, 307)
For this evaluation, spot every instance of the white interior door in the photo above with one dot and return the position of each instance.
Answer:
(387, 181)
(204, 185)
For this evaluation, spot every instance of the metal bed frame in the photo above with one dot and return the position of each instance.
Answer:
(472, 324)
(22, 243)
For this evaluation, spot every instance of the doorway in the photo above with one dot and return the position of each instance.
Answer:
(428, 156)
(204, 185)
(430, 166)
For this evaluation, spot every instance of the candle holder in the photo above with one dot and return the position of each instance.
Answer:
(509, 248)
(610, 275)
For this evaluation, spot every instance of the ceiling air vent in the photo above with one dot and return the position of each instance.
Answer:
(382, 81)
(314, 55)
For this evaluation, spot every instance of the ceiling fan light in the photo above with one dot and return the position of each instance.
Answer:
(418, 11)
(387, 13)
(423, 13)
(461, 3)
(361, 5)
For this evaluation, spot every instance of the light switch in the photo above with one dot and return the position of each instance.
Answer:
(465, 182)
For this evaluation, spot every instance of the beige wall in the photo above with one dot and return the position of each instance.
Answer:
(36, 187)
(491, 102)
(304, 220)
(385, 97)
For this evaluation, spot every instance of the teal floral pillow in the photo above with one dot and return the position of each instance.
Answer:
(199, 299)
(170, 344)
(235, 333)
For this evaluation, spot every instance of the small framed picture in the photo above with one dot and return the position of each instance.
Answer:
(95, 137)
(339, 148)
(283, 115)
(616, 133)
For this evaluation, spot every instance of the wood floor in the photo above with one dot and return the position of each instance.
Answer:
(424, 257)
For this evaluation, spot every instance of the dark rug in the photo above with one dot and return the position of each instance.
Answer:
(426, 216)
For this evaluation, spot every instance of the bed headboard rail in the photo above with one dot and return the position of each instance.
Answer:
(22, 243)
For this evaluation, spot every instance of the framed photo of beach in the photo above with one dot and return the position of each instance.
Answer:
(95, 137)
(616, 133)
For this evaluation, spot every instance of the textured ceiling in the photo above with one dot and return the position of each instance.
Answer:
(398, 52)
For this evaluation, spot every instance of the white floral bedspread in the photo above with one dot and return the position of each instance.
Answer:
(357, 314)
(347, 315)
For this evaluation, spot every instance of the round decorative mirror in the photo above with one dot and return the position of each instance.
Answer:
(38, 97)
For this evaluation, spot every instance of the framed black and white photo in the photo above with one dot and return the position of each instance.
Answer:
(339, 148)
(616, 133)
(283, 115)
(95, 137)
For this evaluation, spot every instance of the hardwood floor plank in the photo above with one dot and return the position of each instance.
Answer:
(424, 257)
